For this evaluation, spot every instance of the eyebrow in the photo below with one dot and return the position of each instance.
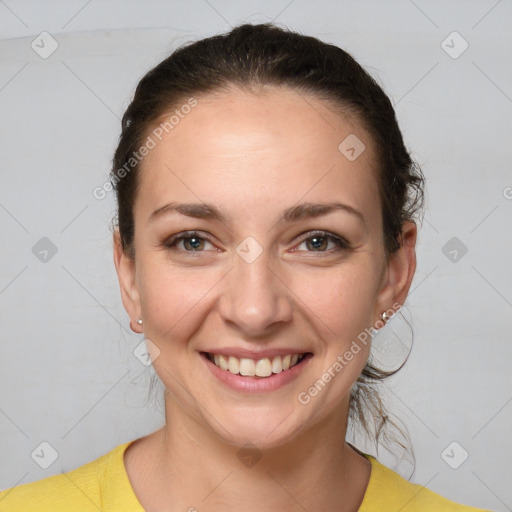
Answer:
(294, 214)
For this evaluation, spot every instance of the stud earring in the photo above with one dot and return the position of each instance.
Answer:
(385, 317)
(139, 321)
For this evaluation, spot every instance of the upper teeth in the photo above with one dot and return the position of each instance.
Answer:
(260, 368)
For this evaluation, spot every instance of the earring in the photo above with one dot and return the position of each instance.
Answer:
(139, 321)
(385, 317)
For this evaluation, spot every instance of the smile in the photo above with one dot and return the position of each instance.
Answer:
(264, 367)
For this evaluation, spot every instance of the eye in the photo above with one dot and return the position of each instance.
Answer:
(190, 241)
(323, 241)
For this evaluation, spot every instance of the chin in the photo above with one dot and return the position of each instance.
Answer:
(259, 427)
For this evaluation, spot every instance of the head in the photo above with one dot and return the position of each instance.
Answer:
(267, 203)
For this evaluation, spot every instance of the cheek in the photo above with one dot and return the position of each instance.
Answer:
(173, 299)
(337, 302)
(340, 300)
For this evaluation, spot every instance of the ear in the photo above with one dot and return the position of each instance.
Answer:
(125, 267)
(399, 273)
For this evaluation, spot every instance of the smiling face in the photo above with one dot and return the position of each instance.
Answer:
(262, 269)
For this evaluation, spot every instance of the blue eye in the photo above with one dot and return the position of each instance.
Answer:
(317, 241)
(192, 242)
(323, 241)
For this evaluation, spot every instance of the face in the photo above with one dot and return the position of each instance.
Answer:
(256, 237)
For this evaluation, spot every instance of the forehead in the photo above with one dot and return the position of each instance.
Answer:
(243, 149)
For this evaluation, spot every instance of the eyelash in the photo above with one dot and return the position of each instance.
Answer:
(341, 243)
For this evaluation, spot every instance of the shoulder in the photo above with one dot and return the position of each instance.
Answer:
(80, 490)
(387, 490)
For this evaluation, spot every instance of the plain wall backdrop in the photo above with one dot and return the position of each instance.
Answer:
(68, 374)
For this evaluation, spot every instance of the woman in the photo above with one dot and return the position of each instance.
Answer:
(266, 231)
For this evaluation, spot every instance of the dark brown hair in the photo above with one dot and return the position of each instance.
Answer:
(255, 55)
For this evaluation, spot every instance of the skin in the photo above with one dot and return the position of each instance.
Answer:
(253, 155)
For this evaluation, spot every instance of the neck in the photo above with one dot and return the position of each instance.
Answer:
(191, 468)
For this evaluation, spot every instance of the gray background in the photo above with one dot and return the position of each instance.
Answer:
(68, 376)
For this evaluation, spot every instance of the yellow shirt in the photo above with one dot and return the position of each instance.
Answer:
(103, 485)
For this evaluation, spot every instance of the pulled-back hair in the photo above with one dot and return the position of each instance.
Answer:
(251, 56)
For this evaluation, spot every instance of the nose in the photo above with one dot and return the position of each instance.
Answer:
(255, 298)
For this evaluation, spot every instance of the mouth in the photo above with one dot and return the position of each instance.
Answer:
(256, 368)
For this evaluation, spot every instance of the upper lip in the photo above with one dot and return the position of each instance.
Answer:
(255, 354)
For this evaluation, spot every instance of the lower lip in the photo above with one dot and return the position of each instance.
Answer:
(257, 384)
